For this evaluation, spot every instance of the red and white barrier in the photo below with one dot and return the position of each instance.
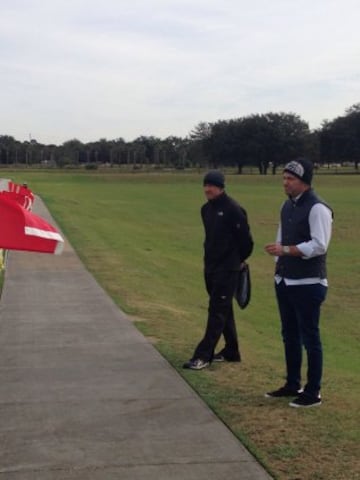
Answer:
(20, 229)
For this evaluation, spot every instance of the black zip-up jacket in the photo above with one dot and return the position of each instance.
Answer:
(228, 240)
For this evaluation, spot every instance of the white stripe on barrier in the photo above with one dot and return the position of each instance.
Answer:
(37, 232)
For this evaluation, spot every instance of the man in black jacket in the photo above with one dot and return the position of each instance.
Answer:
(228, 243)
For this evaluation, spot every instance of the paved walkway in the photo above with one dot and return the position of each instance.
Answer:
(84, 396)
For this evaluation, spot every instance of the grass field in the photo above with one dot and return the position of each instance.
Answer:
(141, 236)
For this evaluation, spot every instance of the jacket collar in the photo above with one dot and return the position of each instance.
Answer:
(218, 200)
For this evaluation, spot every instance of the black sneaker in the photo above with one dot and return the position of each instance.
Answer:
(306, 401)
(220, 357)
(196, 364)
(284, 391)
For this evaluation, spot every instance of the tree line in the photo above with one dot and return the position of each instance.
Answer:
(263, 141)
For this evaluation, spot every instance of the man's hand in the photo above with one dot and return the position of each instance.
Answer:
(277, 250)
(274, 249)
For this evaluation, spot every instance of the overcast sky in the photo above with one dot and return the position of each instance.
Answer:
(124, 68)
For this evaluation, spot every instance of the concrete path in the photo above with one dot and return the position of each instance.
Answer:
(84, 396)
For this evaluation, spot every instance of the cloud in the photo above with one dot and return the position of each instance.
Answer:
(91, 69)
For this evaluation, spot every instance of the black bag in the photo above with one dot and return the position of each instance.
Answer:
(243, 287)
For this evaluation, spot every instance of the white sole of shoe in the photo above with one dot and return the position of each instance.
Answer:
(200, 368)
(295, 405)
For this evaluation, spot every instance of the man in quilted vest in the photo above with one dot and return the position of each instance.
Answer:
(301, 281)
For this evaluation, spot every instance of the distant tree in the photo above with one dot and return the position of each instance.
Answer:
(258, 140)
(169, 151)
(201, 131)
(7, 141)
(34, 152)
(103, 148)
(340, 138)
(72, 151)
(253, 141)
(146, 149)
(117, 146)
(199, 144)
(353, 124)
(7, 144)
(354, 109)
(312, 146)
(219, 144)
(287, 137)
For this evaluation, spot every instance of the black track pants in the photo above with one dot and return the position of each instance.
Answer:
(220, 287)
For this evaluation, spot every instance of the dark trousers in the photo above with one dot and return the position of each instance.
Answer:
(299, 307)
(220, 287)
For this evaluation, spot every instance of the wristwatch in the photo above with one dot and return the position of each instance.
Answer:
(286, 249)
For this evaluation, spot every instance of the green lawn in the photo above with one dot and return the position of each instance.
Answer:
(141, 236)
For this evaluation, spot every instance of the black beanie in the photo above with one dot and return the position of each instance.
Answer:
(301, 168)
(214, 177)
